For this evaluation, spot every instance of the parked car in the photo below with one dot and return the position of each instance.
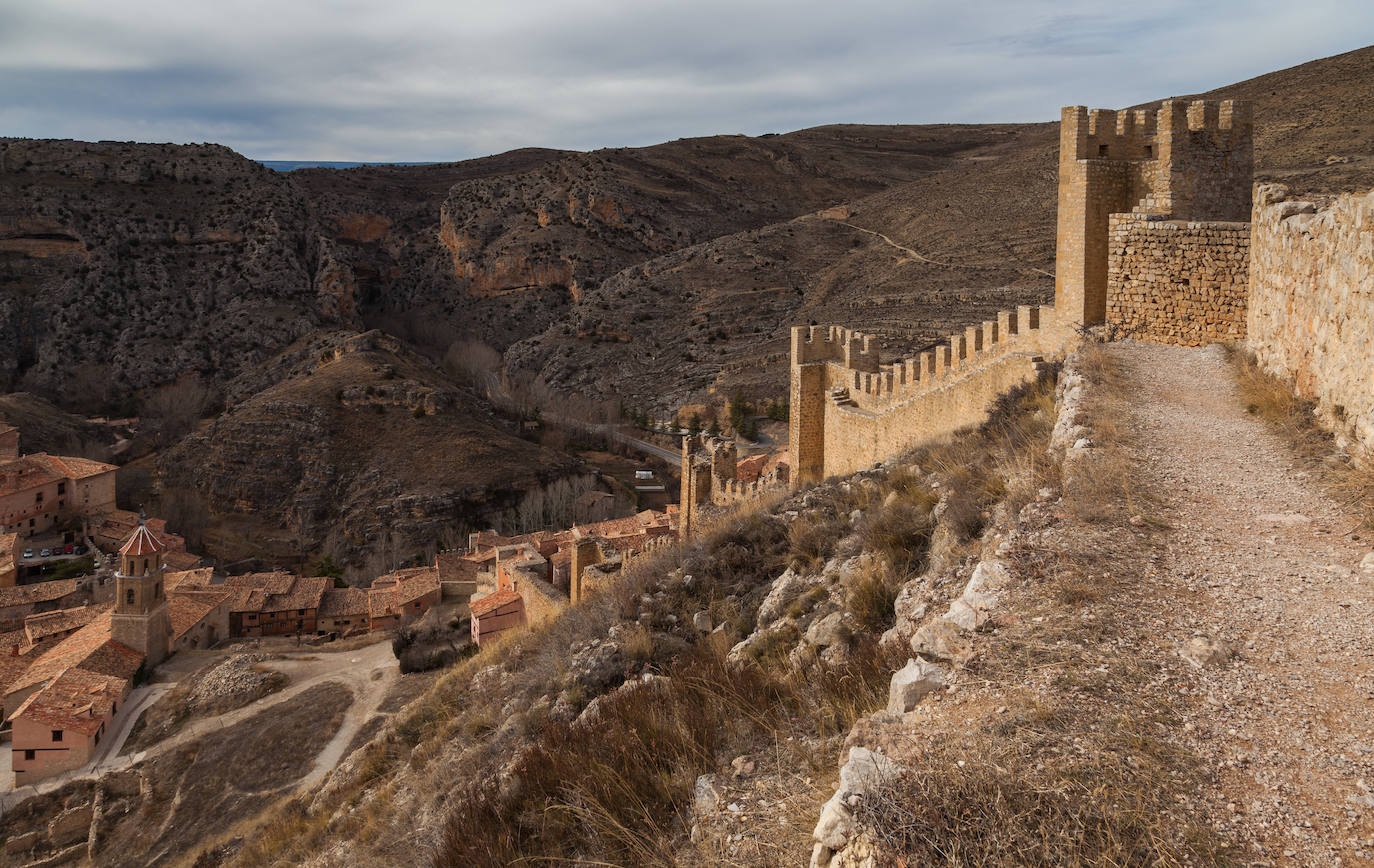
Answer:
(66, 550)
(28, 553)
(82, 549)
(45, 553)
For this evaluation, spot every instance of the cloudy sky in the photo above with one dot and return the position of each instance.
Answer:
(432, 80)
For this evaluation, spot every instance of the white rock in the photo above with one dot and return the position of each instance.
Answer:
(705, 796)
(1367, 565)
(835, 825)
(912, 682)
(942, 639)
(786, 588)
(865, 770)
(702, 622)
(833, 629)
(1205, 651)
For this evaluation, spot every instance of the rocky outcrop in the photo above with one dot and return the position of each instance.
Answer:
(128, 266)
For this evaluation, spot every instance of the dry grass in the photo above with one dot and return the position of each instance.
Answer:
(1295, 419)
(616, 791)
(1064, 753)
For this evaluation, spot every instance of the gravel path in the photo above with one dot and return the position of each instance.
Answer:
(1286, 724)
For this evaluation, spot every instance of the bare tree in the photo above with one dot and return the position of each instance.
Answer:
(186, 513)
(475, 363)
(173, 411)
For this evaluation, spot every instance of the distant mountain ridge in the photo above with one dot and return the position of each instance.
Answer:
(293, 165)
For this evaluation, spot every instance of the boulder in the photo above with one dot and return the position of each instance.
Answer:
(833, 629)
(943, 640)
(912, 682)
(701, 622)
(786, 588)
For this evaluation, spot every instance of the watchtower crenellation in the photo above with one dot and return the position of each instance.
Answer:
(1184, 161)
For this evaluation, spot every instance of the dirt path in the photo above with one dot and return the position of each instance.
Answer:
(1287, 723)
(367, 672)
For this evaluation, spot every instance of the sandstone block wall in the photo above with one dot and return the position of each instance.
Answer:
(849, 410)
(1177, 282)
(1311, 312)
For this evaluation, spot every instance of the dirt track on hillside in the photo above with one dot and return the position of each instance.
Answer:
(1285, 725)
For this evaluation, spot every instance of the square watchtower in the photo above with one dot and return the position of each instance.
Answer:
(1185, 161)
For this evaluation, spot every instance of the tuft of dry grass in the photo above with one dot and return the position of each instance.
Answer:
(1295, 418)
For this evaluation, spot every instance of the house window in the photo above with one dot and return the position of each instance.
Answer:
(1102, 150)
(300, 611)
(57, 735)
(38, 498)
(1149, 150)
(30, 754)
(61, 488)
(129, 597)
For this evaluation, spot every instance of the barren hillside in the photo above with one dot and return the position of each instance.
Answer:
(356, 446)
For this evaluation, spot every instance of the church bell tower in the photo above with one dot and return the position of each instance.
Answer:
(141, 619)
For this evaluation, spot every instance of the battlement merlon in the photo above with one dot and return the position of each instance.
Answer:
(834, 344)
(1137, 134)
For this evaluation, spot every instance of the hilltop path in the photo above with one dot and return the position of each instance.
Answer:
(1273, 561)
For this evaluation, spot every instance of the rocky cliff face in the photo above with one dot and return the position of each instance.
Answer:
(125, 266)
(350, 444)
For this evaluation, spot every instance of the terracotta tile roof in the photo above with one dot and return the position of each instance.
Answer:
(142, 542)
(416, 586)
(189, 608)
(77, 699)
(381, 602)
(90, 648)
(751, 468)
(40, 626)
(343, 603)
(77, 468)
(278, 582)
(275, 592)
(42, 592)
(180, 560)
(491, 602)
(305, 593)
(197, 578)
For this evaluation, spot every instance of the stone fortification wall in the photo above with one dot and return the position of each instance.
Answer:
(1176, 281)
(1311, 314)
(1188, 161)
(849, 410)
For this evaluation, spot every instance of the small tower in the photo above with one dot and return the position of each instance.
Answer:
(140, 618)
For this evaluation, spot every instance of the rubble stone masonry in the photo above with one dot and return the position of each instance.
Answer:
(1176, 281)
(1311, 311)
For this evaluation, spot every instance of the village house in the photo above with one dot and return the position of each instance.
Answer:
(40, 491)
(18, 602)
(534, 576)
(67, 673)
(59, 727)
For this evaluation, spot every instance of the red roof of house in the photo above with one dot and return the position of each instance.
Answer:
(491, 602)
(76, 699)
(343, 603)
(41, 592)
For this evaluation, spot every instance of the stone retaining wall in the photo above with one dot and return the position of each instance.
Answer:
(1311, 313)
(1177, 282)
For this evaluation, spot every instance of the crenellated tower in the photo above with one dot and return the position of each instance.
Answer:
(1185, 161)
(141, 617)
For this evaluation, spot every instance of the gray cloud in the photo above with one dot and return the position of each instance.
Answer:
(421, 79)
